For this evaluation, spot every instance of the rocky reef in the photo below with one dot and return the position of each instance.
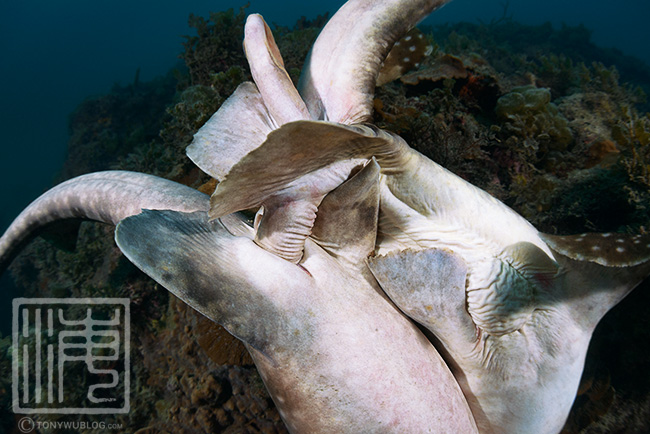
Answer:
(552, 125)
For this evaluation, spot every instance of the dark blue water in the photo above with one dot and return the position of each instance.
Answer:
(55, 53)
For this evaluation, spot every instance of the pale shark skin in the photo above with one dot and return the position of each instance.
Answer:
(335, 355)
(339, 74)
(242, 124)
(512, 308)
(102, 196)
(359, 366)
(334, 352)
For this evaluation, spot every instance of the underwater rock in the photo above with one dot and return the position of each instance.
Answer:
(217, 45)
(445, 66)
(105, 128)
(602, 152)
(195, 394)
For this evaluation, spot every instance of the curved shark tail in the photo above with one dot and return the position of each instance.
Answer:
(107, 197)
(338, 80)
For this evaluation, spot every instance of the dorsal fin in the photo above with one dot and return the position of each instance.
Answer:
(346, 225)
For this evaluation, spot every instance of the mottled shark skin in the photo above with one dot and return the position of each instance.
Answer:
(336, 356)
(512, 308)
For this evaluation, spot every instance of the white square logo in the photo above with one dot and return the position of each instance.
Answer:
(71, 355)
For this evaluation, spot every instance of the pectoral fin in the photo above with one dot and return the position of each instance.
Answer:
(226, 278)
(429, 286)
(295, 150)
(291, 173)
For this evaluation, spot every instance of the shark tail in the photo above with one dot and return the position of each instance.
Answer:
(107, 197)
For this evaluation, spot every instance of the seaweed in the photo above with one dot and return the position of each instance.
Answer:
(216, 47)
(106, 127)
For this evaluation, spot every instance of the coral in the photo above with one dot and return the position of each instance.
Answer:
(602, 152)
(525, 54)
(196, 105)
(6, 416)
(528, 113)
(632, 134)
(591, 200)
(194, 394)
(558, 73)
(590, 115)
